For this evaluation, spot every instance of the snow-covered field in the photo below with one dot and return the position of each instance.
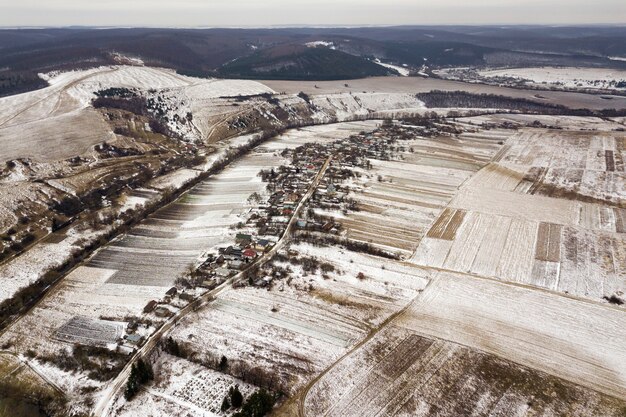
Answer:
(403, 71)
(451, 351)
(401, 372)
(319, 134)
(86, 293)
(187, 228)
(400, 199)
(513, 237)
(413, 85)
(604, 78)
(537, 216)
(299, 327)
(534, 328)
(120, 279)
(56, 122)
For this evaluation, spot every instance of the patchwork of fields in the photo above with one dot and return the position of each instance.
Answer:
(121, 278)
(530, 327)
(564, 233)
(400, 372)
(501, 251)
(297, 329)
(399, 199)
(155, 252)
(524, 253)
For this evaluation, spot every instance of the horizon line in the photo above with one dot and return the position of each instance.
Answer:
(310, 26)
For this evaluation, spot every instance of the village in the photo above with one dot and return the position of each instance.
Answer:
(267, 221)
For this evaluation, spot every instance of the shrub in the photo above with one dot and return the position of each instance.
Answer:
(225, 404)
(236, 398)
(140, 373)
(304, 96)
(259, 404)
(223, 364)
(614, 299)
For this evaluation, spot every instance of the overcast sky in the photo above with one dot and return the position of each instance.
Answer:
(306, 12)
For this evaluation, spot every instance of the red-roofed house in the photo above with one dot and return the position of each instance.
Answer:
(249, 253)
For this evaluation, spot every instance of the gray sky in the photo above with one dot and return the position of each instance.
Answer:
(306, 12)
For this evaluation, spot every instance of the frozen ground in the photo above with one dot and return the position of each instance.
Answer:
(549, 211)
(603, 78)
(401, 372)
(298, 328)
(412, 85)
(535, 328)
(56, 122)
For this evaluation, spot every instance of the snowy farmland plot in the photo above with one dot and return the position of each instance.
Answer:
(401, 372)
(605, 80)
(548, 212)
(530, 327)
(599, 78)
(71, 313)
(87, 331)
(299, 327)
(400, 198)
(402, 85)
(293, 343)
(319, 134)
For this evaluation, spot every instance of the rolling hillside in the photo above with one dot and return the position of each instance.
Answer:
(297, 62)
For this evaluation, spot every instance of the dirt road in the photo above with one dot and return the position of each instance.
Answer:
(105, 403)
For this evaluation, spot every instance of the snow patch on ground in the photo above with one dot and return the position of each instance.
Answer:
(566, 77)
(318, 44)
(401, 70)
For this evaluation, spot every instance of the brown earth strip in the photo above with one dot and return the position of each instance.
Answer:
(620, 220)
(536, 176)
(403, 356)
(619, 161)
(436, 231)
(370, 208)
(400, 200)
(548, 242)
(610, 161)
(407, 245)
(447, 224)
(501, 153)
(453, 226)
